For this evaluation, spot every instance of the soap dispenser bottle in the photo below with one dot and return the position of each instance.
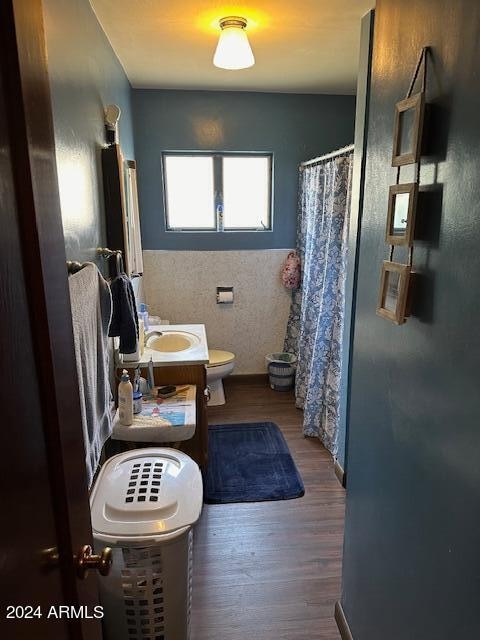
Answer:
(125, 399)
(143, 314)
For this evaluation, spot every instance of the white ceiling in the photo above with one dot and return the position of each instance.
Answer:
(300, 46)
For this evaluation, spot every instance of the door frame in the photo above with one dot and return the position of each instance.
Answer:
(356, 208)
(30, 126)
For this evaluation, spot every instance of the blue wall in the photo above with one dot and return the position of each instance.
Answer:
(85, 75)
(411, 554)
(293, 127)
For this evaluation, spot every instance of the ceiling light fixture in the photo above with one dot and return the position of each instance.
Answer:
(233, 49)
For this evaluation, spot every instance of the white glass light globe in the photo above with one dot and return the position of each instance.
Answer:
(233, 49)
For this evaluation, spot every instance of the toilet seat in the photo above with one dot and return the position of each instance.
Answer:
(217, 357)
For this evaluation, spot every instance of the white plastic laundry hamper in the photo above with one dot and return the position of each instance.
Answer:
(144, 503)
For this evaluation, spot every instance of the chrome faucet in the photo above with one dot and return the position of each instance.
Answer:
(150, 334)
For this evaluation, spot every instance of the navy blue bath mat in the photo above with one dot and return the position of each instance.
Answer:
(249, 463)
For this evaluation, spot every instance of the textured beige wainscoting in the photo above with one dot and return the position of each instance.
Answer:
(181, 286)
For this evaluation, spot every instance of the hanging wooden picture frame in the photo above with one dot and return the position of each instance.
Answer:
(394, 298)
(402, 203)
(407, 131)
(394, 284)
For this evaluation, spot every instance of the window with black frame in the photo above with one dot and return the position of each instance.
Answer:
(217, 191)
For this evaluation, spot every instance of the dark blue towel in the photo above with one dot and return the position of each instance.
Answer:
(124, 322)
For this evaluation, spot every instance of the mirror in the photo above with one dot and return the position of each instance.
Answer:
(131, 221)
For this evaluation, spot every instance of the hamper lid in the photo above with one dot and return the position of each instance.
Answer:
(144, 494)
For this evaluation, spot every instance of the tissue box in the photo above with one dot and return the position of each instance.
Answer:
(161, 420)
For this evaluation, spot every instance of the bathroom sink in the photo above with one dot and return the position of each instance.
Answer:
(172, 341)
(172, 345)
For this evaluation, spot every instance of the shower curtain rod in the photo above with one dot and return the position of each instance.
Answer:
(327, 156)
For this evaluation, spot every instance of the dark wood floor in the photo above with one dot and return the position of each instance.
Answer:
(270, 570)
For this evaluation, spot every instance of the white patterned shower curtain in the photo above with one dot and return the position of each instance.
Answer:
(315, 325)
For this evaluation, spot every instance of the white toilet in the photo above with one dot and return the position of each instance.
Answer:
(220, 365)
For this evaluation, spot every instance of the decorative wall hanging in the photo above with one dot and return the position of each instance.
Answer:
(291, 271)
(402, 202)
(407, 132)
(396, 278)
(392, 302)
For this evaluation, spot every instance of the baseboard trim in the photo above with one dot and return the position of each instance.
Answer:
(342, 623)
(248, 378)
(340, 473)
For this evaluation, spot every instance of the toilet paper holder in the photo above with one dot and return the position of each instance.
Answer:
(224, 295)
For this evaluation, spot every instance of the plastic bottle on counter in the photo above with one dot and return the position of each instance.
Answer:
(141, 336)
(137, 402)
(143, 314)
(125, 400)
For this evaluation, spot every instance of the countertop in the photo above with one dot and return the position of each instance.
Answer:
(198, 354)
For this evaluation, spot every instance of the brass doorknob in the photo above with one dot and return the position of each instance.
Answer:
(86, 560)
